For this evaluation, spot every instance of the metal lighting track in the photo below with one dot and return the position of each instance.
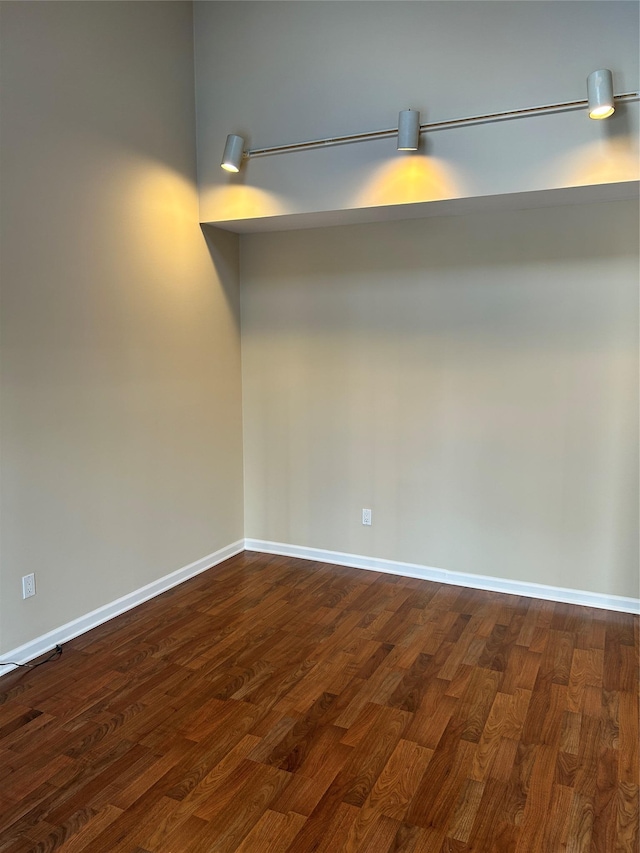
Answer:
(563, 106)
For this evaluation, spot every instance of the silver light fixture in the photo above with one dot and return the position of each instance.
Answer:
(408, 130)
(600, 94)
(233, 153)
(600, 102)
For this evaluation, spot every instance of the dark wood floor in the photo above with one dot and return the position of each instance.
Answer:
(274, 705)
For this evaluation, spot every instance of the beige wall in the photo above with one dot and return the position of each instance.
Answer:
(473, 380)
(121, 411)
(282, 72)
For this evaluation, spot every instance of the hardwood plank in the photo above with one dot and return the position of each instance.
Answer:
(580, 824)
(627, 806)
(379, 836)
(324, 760)
(272, 833)
(538, 800)
(397, 783)
(477, 702)
(83, 839)
(433, 715)
(466, 809)
(605, 802)
(629, 721)
(371, 754)
(176, 817)
(230, 818)
(555, 831)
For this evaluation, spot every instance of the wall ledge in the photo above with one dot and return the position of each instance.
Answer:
(559, 196)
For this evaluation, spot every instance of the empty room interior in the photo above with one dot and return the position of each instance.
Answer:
(319, 471)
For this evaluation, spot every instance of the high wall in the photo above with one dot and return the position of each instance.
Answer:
(121, 422)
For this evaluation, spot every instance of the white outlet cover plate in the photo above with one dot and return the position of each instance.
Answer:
(28, 585)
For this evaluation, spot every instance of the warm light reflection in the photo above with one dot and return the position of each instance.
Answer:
(606, 161)
(407, 180)
(159, 208)
(223, 204)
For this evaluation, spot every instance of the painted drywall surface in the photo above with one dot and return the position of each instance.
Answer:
(121, 410)
(282, 72)
(473, 380)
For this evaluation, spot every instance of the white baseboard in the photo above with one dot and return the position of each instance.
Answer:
(413, 570)
(48, 641)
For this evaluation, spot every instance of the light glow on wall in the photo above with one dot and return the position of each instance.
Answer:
(605, 161)
(413, 179)
(241, 202)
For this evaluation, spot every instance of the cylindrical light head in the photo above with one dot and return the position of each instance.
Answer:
(233, 151)
(408, 130)
(600, 94)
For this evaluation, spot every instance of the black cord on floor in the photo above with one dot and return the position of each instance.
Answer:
(55, 654)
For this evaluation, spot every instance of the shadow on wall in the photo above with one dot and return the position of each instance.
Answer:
(480, 243)
(411, 179)
(224, 249)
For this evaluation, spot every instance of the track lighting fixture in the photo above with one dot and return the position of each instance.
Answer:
(600, 94)
(600, 101)
(233, 153)
(408, 130)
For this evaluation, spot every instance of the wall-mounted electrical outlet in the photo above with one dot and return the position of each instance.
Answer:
(366, 516)
(28, 585)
